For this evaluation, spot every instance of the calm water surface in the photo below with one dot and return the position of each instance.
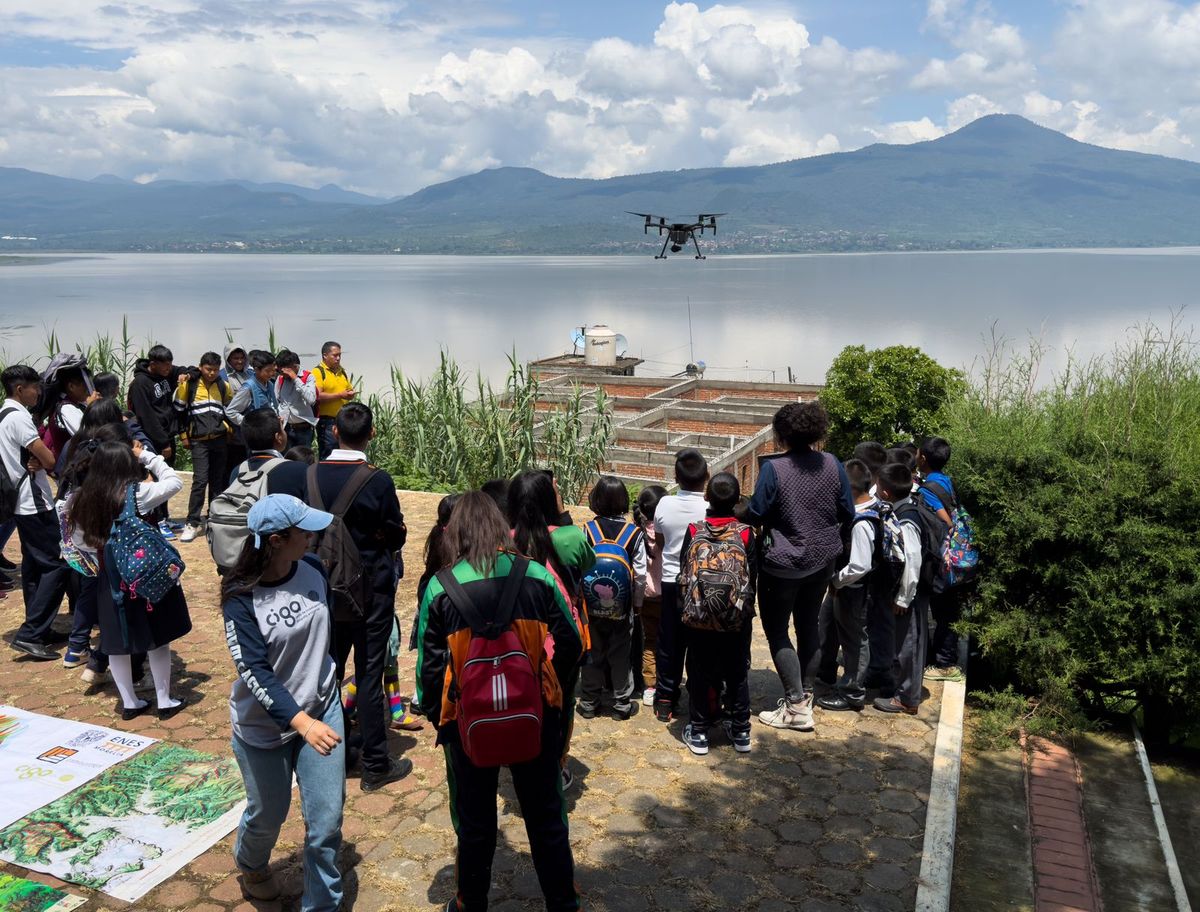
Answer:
(752, 317)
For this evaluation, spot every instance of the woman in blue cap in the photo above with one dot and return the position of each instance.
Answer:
(285, 707)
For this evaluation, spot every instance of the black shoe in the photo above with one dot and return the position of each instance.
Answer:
(127, 714)
(54, 636)
(584, 712)
(623, 714)
(662, 712)
(396, 770)
(7, 584)
(38, 651)
(838, 703)
(6, 565)
(172, 711)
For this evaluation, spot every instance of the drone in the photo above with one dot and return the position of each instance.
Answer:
(679, 232)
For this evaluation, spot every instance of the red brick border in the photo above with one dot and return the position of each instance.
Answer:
(1064, 878)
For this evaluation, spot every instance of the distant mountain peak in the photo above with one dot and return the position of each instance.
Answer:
(1003, 129)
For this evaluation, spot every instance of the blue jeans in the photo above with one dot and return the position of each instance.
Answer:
(268, 776)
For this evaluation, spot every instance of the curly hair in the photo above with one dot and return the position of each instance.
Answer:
(801, 424)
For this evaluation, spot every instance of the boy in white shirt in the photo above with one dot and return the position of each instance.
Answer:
(671, 520)
(848, 600)
(911, 605)
(26, 459)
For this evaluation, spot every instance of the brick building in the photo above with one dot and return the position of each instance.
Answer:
(729, 421)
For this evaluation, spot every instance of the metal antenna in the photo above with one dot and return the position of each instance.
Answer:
(691, 347)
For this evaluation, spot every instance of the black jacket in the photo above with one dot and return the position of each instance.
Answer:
(151, 399)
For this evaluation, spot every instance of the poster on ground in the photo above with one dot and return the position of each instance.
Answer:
(43, 758)
(20, 895)
(134, 825)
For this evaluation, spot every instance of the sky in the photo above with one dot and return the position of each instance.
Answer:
(388, 96)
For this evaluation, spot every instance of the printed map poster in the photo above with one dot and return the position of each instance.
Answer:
(20, 895)
(134, 825)
(43, 758)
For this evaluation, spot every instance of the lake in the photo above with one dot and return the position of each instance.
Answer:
(752, 317)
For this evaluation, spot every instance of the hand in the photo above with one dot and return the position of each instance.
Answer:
(33, 466)
(289, 372)
(900, 610)
(186, 444)
(321, 738)
(94, 397)
(168, 452)
(138, 449)
(349, 394)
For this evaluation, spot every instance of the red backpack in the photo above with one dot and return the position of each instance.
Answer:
(499, 693)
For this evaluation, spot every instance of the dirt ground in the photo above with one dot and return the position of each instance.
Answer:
(830, 821)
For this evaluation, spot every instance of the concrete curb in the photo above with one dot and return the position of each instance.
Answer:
(1160, 823)
(941, 818)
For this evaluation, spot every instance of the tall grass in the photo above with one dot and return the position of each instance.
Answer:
(1086, 494)
(450, 431)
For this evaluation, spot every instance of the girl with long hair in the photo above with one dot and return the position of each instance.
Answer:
(115, 466)
(286, 716)
(535, 511)
(479, 550)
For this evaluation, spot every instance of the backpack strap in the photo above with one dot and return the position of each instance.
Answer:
(314, 489)
(949, 501)
(625, 536)
(594, 533)
(504, 611)
(130, 509)
(351, 489)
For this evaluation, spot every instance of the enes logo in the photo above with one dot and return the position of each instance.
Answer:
(56, 754)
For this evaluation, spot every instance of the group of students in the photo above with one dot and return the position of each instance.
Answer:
(525, 620)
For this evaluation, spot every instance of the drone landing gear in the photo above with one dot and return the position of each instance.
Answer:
(699, 256)
(662, 254)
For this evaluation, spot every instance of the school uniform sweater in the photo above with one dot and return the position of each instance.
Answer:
(150, 399)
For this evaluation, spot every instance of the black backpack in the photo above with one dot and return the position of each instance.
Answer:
(933, 533)
(349, 586)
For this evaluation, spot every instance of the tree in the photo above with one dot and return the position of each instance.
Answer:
(884, 394)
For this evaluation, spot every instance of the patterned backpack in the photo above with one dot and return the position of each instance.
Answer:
(608, 586)
(888, 562)
(136, 552)
(714, 578)
(960, 552)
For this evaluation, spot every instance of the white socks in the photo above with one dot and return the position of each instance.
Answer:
(122, 673)
(160, 670)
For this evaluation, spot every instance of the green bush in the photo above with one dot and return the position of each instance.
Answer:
(1086, 494)
(884, 395)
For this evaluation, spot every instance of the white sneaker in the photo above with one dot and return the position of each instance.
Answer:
(91, 676)
(190, 531)
(793, 716)
(648, 696)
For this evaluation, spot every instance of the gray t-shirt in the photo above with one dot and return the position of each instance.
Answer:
(279, 638)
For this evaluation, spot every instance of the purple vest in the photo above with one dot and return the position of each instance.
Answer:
(804, 534)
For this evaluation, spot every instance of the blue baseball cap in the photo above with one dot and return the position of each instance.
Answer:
(280, 512)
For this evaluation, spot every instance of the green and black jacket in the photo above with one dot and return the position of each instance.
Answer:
(443, 636)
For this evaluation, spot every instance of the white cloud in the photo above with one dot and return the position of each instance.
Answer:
(386, 97)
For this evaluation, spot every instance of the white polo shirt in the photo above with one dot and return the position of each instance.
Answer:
(17, 432)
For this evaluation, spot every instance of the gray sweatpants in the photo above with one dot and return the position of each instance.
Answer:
(611, 641)
(912, 640)
(850, 620)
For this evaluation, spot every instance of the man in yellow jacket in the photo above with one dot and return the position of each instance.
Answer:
(200, 400)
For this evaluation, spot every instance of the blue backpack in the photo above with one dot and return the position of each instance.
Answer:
(139, 560)
(608, 586)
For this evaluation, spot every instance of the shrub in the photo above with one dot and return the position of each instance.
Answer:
(1086, 495)
(884, 394)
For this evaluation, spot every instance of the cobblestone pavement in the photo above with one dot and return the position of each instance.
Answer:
(820, 822)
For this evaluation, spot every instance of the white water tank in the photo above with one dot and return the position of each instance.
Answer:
(600, 346)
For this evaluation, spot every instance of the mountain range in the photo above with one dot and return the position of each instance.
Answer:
(1000, 181)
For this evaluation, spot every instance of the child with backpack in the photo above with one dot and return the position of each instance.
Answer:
(141, 606)
(718, 572)
(200, 402)
(612, 592)
(870, 573)
(946, 601)
(922, 553)
(651, 610)
(485, 681)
